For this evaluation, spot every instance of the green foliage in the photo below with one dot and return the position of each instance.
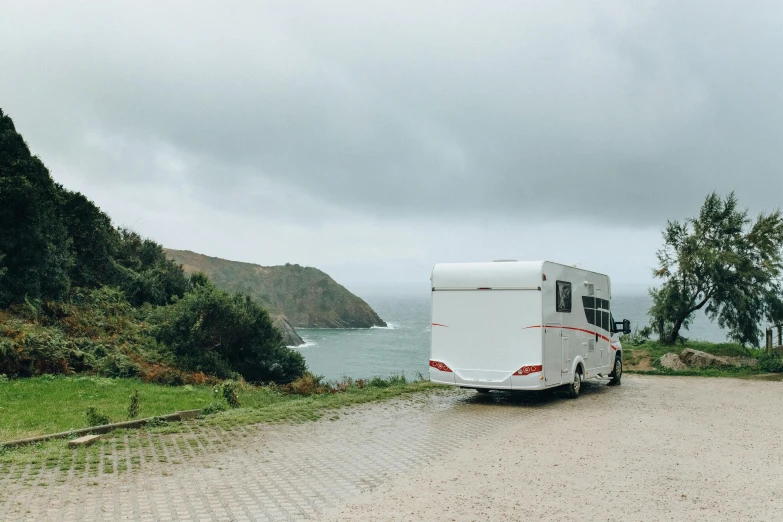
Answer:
(771, 363)
(135, 405)
(215, 407)
(54, 239)
(82, 294)
(96, 418)
(377, 382)
(144, 272)
(228, 389)
(638, 337)
(34, 243)
(723, 263)
(219, 334)
(397, 380)
(91, 331)
(308, 384)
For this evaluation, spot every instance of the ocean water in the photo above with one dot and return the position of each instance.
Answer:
(403, 347)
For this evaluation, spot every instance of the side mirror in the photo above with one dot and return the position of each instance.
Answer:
(626, 327)
(623, 326)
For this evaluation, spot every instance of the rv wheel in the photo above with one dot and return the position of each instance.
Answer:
(618, 371)
(576, 385)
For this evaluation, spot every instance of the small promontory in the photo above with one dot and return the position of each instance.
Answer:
(305, 296)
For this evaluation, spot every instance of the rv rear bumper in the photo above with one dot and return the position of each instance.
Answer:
(483, 379)
(488, 380)
(534, 381)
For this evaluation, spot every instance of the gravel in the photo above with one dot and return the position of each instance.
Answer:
(655, 448)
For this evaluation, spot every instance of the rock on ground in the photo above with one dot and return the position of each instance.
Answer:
(672, 361)
(698, 359)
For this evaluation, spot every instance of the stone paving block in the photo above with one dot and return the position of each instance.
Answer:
(281, 471)
(86, 440)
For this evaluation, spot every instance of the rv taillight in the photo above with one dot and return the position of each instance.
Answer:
(527, 370)
(439, 366)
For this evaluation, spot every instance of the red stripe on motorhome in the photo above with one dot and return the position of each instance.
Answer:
(572, 328)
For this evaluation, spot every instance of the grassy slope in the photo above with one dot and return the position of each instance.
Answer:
(43, 405)
(306, 296)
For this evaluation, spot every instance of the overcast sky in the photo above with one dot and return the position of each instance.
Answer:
(373, 139)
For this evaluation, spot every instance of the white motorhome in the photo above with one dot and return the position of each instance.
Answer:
(522, 325)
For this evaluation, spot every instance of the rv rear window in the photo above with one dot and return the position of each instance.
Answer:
(563, 297)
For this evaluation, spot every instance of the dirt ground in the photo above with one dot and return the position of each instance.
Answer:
(656, 448)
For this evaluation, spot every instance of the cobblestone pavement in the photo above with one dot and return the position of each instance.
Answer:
(265, 471)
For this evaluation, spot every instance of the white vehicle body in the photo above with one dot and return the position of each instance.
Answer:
(520, 325)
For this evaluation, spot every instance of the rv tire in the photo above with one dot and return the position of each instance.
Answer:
(617, 374)
(576, 385)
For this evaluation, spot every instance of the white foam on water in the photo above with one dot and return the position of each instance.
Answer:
(307, 344)
(389, 326)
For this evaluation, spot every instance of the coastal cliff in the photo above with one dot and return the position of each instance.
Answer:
(305, 296)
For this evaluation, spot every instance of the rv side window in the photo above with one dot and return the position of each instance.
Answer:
(563, 297)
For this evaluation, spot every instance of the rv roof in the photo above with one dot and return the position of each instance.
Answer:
(510, 274)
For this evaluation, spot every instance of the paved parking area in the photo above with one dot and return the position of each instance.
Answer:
(401, 460)
(259, 472)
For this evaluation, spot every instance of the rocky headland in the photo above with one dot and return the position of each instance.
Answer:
(296, 296)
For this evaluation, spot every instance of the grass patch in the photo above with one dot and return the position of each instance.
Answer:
(635, 354)
(272, 405)
(49, 404)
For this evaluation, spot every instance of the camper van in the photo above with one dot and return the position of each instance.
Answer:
(523, 325)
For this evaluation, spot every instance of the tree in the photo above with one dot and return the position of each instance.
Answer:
(724, 263)
(33, 239)
(144, 273)
(94, 241)
(52, 239)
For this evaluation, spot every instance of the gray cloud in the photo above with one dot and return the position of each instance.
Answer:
(612, 113)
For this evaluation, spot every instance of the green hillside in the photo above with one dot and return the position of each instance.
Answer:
(79, 295)
(307, 297)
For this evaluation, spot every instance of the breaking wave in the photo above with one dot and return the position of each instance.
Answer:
(389, 326)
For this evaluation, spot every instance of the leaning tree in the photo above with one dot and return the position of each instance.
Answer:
(724, 263)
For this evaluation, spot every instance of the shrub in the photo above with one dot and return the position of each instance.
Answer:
(377, 382)
(771, 363)
(308, 384)
(134, 406)
(638, 337)
(397, 380)
(215, 407)
(96, 418)
(91, 331)
(228, 390)
(343, 385)
(216, 333)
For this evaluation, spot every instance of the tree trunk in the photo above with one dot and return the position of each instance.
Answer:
(675, 333)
